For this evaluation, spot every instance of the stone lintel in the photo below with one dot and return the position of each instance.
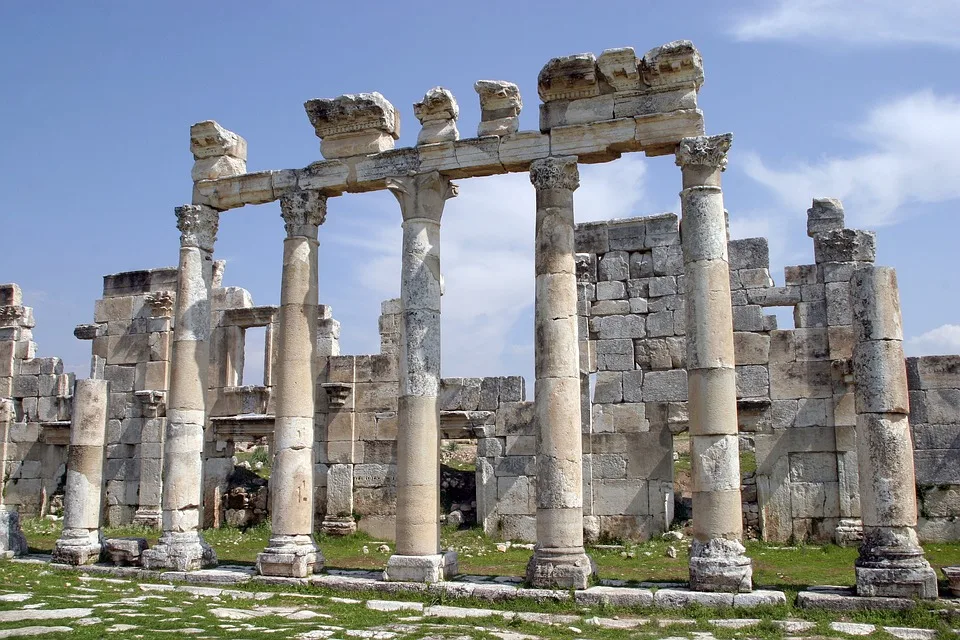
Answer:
(654, 134)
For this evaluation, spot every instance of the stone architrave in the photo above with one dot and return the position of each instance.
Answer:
(559, 559)
(717, 556)
(418, 557)
(292, 551)
(891, 561)
(12, 541)
(181, 546)
(82, 540)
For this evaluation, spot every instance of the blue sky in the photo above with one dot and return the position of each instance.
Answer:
(857, 100)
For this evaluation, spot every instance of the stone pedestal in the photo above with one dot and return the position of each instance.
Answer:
(339, 518)
(559, 559)
(291, 550)
(717, 560)
(81, 540)
(181, 547)
(418, 556)
(891, 562)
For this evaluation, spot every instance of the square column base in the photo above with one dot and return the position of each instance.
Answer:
(560, 569)
(430, 569)
(290, 557)
(78, 546)
(339, 526)
(721, 566)
(180, 551)
(898, 582)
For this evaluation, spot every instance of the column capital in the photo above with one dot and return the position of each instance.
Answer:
(302, 212)
(555, 172)
(198, 225)
(704, 151)
(422, 195)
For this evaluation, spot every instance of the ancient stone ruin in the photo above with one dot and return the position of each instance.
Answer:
(647, 330)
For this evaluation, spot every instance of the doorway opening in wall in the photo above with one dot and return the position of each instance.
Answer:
(254, 341)
(458, 469)
(682, 479)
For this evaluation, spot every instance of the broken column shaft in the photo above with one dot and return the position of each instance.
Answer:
(81, 540)
(291, 550)
(181, 547)
(418, 557)
(559, 559)
(717, 560)
(891, 562)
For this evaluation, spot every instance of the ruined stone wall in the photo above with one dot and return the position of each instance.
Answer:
(36, 401)
(934, 383)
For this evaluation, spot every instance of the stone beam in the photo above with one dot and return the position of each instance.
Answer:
(594, 142)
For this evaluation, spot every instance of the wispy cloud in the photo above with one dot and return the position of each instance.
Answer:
(487, 260)
(911, 159)
(853, 22)
(945, 339)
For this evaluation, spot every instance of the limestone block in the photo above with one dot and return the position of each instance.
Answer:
(25, 386)
(569, 78)
(800, 380)
(825, 215)
(666, 261)
(515, 418)
(208, 139)
(620, 68)
(620, 497)
(774, 296)
(615, 355)
(500, 104)
(515, 496)
(665, 386)
(800, 275)
(813, 467)
(611, 290)
(627, 236)
(876, 304)
(845, 245)
(660, 324)
(938, 502)
(928, 372)
(597, 141)
(815, 500)
(749, 253)
(810, 314)
(609, 387)
(633, 385)
(811, 343)
(614, 265)
(752, 381)
(755, 278)
(517, 150)
(610, 308)
(375, 397)
(641, 264)
(838, 271)
(619, 327)
(937, 466)
(881, 377)
(674, 64)
(619, 418)
(519, 528)
(637, 306)
(10, 295)
(751, 348)
(644, 103)
(748, 318)
(561, 113)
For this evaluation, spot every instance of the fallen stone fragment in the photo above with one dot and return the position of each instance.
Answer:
(853, 628)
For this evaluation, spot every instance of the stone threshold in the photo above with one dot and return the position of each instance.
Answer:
(833, 598)
(489, 588)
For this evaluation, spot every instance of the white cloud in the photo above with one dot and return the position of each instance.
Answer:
(910, 158)
(945, 339)
(487, 261)
(860, 22)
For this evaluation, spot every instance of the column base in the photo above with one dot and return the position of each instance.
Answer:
(568, 568)
(12, 541)
(891, 564)
(290, 557)
(720, 565)
(180, 551)
(151, 517)
(430, 569)
(78, 546)
(339, 526)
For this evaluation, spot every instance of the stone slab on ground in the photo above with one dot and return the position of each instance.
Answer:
(846, 599)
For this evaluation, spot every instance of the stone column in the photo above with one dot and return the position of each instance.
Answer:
(291, 550)
(181, 547)
(559, 559)
(891, 562)
(81, 540)
(717, 560)
(418, 557)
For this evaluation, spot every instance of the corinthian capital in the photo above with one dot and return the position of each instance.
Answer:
(558, 172)
(705, 151)
(303, 212)
(198, 226)
(422, 195)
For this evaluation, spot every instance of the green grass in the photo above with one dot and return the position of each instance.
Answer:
(258, 454)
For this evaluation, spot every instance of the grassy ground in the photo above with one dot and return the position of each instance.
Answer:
(257, 454)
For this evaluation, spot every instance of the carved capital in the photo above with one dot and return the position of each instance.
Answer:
(161, 303)
(558, 172)
(422, 195)
(303, 212)
(704, 151)
(198, 226)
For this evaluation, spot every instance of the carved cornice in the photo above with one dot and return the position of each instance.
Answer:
(11, 313)
(422, 195)
(555, 172)
(161, 303)
(198, 226)
(302, 212)
(705, 151)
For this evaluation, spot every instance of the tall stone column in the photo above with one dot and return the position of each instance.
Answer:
(891, 562)
(181, 547)
(81, 540)
(717, 560)
(418, 557)
(559, 559)
(291, 550)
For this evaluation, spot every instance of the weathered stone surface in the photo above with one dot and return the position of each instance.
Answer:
(500, 106)
(825, 215)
